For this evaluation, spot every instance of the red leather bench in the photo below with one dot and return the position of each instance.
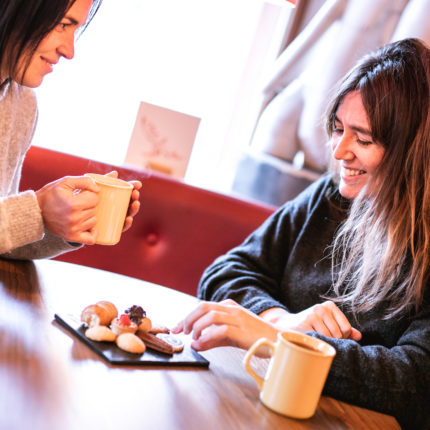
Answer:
(178, 232)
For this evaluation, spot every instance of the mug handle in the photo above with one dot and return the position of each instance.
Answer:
(251, 351)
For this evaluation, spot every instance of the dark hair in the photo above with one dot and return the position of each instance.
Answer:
(23, 25)
(384, 245)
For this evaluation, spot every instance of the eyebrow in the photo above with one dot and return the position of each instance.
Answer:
(357, 128)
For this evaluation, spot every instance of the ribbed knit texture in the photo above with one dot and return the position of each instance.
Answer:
(21, 222)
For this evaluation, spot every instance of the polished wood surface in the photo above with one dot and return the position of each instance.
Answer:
(50, 380)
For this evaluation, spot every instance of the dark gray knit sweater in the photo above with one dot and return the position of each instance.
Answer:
(285, 263)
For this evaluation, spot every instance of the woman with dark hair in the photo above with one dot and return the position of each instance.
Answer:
(57, 218)
(348, 260)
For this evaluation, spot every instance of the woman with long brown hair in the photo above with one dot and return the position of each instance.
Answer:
(348, 260)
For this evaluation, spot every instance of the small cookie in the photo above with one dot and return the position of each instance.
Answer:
(172, 340)
(131, 343)
(158, 328)
(100, 333)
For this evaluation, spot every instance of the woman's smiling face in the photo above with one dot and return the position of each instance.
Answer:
(56, 44)
(358, 155)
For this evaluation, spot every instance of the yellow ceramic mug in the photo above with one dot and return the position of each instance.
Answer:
(114, 199)
(296, 374)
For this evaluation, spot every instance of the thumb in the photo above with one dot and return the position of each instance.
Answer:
(113, 174)
(81, 183)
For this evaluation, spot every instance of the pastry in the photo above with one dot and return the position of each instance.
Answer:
(158, 328)
(153, 342)
(110, 308)
(175, 341)
(145, 324)
(95, 315)
(136, 313)
(123, 324)
(131, 343)
(100, 333)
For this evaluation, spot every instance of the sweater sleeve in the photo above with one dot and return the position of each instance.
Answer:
(393, 380)
(22, 231)
(20, 221)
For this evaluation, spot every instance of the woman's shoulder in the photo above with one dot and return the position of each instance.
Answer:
(18, 96)
(322, 189)
(322, 196)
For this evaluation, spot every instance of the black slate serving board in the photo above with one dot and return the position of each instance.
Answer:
(114, 355)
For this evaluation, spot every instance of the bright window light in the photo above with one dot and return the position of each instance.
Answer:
(187, 55)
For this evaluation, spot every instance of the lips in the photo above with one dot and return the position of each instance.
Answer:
(49, 63)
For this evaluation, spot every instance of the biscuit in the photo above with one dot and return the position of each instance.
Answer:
(131, 343)
(172, 340)
(158, 328)
(100, 333)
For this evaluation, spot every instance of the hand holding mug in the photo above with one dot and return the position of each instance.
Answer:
(67, 213)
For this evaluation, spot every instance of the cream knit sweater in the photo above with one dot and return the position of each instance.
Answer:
(22, 233)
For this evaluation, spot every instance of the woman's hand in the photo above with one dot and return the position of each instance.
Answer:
(225, 323)
(134, 206)
(324, 318)
(68, 207)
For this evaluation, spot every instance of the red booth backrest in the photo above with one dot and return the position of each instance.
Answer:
(178, 232)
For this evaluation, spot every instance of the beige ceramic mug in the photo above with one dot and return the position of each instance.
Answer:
(114, 199)
(296, 374)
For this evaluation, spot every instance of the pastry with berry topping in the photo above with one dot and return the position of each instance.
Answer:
(123, 324)
(138, 315)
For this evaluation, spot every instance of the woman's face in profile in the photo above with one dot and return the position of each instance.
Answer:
(358, 155)
(56, 44)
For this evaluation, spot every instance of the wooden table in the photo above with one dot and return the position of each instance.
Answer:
(50, 380)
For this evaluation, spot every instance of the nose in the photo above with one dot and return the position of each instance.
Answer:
(67, 47)
(342, 148)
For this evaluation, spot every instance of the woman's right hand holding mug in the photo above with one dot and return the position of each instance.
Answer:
(67, 211)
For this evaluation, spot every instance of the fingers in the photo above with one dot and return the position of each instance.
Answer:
(137, 185)
(87, 237)
(355, 335)
(204, 315)
(327, 319)
(133, 209)
(222, 335)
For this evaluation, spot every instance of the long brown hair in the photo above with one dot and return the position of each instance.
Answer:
(382, 251)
